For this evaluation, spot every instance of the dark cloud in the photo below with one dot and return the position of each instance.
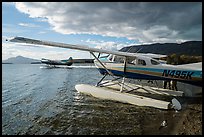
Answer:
(147, 22)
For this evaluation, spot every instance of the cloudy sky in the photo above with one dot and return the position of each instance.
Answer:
(107, 25)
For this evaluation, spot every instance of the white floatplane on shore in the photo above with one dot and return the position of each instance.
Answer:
(123, 65)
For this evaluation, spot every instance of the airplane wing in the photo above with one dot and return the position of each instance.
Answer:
(70, 46)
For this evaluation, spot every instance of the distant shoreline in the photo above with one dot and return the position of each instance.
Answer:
(6, 63)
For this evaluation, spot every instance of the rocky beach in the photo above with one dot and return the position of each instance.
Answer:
(187, 121)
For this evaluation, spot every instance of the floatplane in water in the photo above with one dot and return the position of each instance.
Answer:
(122, 66)
(53, 63)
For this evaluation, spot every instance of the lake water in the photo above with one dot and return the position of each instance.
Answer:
(38, 100)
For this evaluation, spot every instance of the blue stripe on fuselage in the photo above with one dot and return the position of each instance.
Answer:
(130, 75)
(195, 72)
(145, 76)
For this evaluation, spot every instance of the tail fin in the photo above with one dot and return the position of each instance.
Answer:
(70, 59)
(67, 60)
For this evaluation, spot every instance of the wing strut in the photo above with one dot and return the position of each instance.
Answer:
(109, 72)
(124, 70)
(102, 64)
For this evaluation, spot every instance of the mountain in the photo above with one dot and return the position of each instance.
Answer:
(20, 60)
(192, 48)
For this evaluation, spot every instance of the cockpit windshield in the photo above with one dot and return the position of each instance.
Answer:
(110, 57)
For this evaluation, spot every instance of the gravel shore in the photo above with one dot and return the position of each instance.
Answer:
(188, 121)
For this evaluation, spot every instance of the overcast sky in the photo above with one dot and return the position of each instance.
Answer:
(110, 25)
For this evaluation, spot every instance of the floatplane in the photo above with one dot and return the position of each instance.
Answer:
(53, 63)
(121, 66)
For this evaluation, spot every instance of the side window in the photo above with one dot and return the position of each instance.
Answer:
(154, 62)
(141, 62)
(131, 60)
(119, 59)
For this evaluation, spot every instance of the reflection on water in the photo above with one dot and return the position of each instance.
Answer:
(44, 101)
